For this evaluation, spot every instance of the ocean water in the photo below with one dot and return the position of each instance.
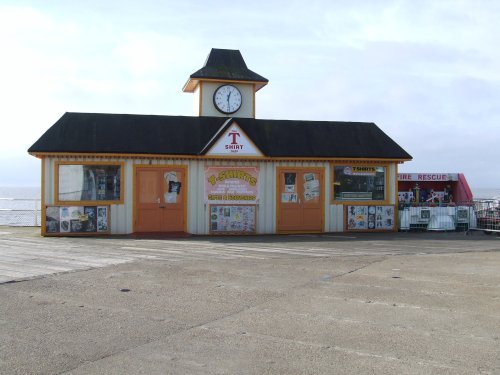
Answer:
(484, 193)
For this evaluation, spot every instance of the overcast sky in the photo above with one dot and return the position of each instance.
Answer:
(426, 72)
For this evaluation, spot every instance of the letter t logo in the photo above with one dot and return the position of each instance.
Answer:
(234, 134)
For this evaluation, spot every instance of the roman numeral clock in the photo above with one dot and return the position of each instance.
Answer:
(225, 87)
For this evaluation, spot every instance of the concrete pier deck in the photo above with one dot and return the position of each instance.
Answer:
(397, 303)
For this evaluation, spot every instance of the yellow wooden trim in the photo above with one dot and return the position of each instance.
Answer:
(198, 157)
(186, 195)
(42, 199)
(191, 83)
(321, 171)
(258, 83)
(277, 199)
(226, 157)
(134, 193)
(390, 187)
(88, 203)
(185, 170)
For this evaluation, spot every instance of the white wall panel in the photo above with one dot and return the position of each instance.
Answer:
(247, 97)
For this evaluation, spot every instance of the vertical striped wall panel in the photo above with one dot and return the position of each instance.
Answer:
(122, 215)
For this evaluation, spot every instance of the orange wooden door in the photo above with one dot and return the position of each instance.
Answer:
(300, 200)
(159, 199)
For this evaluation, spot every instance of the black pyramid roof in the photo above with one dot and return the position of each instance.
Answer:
(227, 65)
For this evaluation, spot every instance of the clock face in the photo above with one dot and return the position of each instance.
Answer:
(227, 99)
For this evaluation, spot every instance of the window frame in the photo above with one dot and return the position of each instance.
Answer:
(57, 201)
(365, 202)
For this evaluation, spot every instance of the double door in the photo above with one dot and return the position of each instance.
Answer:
(160, 199)
(300, 199)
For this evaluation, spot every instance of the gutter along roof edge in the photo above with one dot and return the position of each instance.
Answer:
(217, 157)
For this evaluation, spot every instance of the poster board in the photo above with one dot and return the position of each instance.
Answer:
(232, 219)
(370, 218)
(301, 187)
(76, 220)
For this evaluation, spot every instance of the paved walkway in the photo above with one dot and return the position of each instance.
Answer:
(24, 254)
(399, 303)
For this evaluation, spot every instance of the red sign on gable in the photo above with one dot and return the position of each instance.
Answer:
(234, 142)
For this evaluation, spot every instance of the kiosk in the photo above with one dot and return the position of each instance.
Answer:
(220, 172)
(435, 201)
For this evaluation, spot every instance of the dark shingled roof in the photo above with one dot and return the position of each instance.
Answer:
(183, 135)
(227, 64)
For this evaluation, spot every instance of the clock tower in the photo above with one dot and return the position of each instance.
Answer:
(225, 87)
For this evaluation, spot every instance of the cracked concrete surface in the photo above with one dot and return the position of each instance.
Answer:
(367, 304)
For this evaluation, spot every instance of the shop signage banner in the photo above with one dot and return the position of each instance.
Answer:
(427, 176)
(360, 171)
(236, 185)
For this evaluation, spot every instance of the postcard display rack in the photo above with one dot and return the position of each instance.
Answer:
(370, 218)
(77, 220)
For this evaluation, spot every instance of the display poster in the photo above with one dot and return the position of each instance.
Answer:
(232, 219)
(60, 220)
(311, 187)
(172, 187)
(289, 194)
(309, 191)
(370, 217)
(234, 185)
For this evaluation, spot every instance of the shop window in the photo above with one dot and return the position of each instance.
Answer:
(359, 183)
(89, 183)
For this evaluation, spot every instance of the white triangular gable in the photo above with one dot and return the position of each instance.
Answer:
(234, 142)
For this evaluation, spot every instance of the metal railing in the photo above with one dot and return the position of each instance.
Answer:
(460, 216)
(487, 215)
(24, 216)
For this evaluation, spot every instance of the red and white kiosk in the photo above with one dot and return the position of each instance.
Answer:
(435, 201)
(433, 188)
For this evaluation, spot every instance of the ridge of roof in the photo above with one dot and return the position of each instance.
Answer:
(216, 136)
